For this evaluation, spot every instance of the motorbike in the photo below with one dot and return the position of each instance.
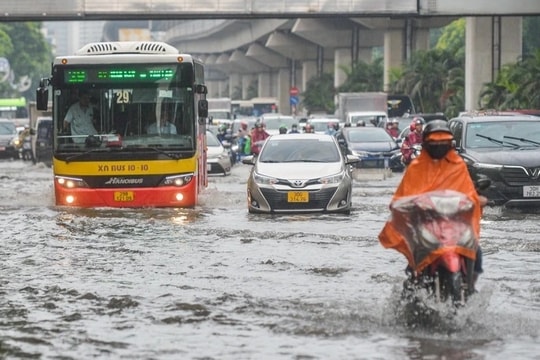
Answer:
(437, 227)
(417, 149)
(26, 149)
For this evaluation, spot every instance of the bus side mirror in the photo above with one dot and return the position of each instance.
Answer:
(201, 89)
(42, 95)
(203, 108)
(42, 98)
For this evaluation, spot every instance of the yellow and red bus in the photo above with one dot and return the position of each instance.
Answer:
(121, 164)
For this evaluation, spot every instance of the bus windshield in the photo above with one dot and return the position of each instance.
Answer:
(123, 113)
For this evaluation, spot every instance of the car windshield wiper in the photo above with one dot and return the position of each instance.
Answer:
(523, 140)
(496, 141)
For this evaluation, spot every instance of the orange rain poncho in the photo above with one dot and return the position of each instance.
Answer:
(423, 175)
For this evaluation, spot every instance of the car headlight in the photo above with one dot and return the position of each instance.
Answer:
(70, 183)
(177, 180)
(264, 180)
(480, 166)
(333, 179)
(360, 154)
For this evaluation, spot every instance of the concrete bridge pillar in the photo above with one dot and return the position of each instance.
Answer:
(235, 80)
(265, 84)
(342, 57)
(490, 43)
(284, 82)
(247, 80)
(309, 71)
(393, 53)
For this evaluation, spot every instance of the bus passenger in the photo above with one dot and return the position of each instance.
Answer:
(164, 125)
(80, 118)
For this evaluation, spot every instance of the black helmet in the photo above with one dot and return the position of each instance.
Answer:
(435, 126)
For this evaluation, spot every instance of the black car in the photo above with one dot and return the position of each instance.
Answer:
(506, 149)
(372, 145)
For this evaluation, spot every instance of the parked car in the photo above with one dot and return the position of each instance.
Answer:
(504, 148)
(8, 139)
(372, 145)
(300, 173)
(218, 157)
(42, 141)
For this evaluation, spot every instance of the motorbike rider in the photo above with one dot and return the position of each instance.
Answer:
(393, 128)
(439, 167)
(413, 138)
(294, 129)
(282, 129)
(258, 136)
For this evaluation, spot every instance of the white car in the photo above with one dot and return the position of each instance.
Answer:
(300, 173)
(370, 118)
(218, 158)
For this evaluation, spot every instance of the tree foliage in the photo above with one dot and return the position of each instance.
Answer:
(517, 86)
(29, 56)
(319, 94)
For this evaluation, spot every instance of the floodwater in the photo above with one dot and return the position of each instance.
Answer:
(218, 283)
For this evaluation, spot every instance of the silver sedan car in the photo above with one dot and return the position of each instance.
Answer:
(300, 173)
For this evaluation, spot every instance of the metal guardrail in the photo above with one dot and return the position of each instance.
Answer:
(200, 9)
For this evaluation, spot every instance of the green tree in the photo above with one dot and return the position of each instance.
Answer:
(29, 56)
(319, 94)
(363, 76)
(516, 86)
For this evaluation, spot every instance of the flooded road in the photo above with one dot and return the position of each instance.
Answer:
(218, 283)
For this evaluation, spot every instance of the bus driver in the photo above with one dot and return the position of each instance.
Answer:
(80, 118)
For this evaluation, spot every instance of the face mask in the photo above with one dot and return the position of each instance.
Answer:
(437, 151)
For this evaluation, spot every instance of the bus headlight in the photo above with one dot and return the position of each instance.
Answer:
(177, 180)
(70, 183)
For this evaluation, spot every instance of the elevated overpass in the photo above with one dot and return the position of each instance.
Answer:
(283, 43)
(235, 9)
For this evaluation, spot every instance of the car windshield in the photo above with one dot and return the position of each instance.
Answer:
(8, 128)
(512, 133)
(211, 139)
(273, 123)
(300, 150)
(366, 135)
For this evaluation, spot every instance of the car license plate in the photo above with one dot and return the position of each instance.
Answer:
(298, 196)
(124, 196)
(531, 191)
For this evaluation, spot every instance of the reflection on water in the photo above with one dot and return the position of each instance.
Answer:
(218, 283)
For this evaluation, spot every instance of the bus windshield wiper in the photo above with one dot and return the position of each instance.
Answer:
(86, 152)
(496, 141)
(523, 140)
(172, 156)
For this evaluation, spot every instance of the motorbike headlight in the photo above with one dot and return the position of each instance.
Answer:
(264, 180)
(333, 179)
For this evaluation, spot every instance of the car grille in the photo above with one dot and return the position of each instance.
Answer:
(215, 168)
(516, 176)
(318, 200)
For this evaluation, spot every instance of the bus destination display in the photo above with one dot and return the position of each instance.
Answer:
(94, 75)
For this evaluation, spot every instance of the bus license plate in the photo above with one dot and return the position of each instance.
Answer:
(531, 191)
(124, 196)
(298, 197)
